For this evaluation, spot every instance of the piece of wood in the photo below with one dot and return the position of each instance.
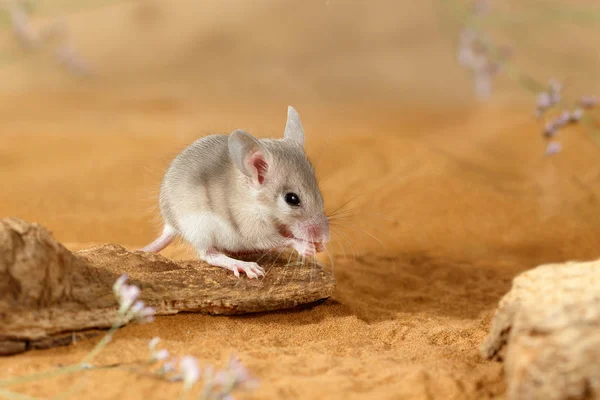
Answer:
(48, 293)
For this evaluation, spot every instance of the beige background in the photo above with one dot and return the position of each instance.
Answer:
(451, 198)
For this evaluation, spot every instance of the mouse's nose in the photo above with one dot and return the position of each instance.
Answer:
(318, 232)
(314, 231)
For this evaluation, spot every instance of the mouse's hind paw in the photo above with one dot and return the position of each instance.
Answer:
(251, 269)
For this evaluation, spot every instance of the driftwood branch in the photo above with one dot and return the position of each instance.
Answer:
(50, 296)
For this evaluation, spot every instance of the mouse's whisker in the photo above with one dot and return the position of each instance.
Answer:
(347, 239)
(345, 214)
(336, 238)
(279, 253)
(295, 262)
(364, 232)
(331, 258)
(346, 203)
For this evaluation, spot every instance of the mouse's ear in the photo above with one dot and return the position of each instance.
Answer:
(293, 127)
(248, 155)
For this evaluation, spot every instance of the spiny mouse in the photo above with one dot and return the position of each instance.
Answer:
(233, 194)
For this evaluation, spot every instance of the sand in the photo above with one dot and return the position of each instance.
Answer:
(450, 200)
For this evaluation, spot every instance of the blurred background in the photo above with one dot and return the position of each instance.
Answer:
(438, 126)
(393, 52)
(99, 95)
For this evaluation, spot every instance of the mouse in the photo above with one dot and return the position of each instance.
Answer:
(235, 194)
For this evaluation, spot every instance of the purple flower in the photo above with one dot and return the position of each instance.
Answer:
(70, 59)
(129, 308)
(550, 130)
(145, 315)
(239, 372)
(553, 148)
(22, 28)
(137, 307)
(588, 101)
(563, 119)
(119, 285)
(235, 375)
(466, 58)
(128, 294)
(483, 85)
(555, 86)
(549, 98)
(169, 366)
(544, 101)
(152, 343)
(576, 115)
(481, 7)
(190, 371)
(161, 355)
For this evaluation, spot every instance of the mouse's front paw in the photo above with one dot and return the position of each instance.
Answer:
(304, 248)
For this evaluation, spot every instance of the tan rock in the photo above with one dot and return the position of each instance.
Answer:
(49, 295)
(547, 329)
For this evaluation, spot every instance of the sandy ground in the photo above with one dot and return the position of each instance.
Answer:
(449, 200)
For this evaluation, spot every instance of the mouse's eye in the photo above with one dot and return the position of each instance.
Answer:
(292, 199)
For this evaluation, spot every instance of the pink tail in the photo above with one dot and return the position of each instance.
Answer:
(161, 242)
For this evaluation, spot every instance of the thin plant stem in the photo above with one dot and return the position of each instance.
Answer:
(69, 368)
(101, 344)
(10, 395)
(41, 375)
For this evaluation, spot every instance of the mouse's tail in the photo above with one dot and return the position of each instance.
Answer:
(162, 241)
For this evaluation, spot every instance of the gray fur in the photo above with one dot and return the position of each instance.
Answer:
(208, 196)
(293, 127)
(240, 144)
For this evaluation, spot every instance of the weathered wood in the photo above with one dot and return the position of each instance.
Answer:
(47, 293)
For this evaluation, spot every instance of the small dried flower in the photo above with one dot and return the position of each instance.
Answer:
(140, 313)
(237, 369)
(146, 315)
(70, 59)
(550, 130)
(137, 307)
(21, 27)
(549, 98)
(483, 85)
(588, 101)
(466, 58)
(161, 355)
(129, 308)
(493, 68)
(553, 148)
(576, 115)
(544, 101)
(234, 376)
(118, 285)
(471, 53)
(481, 7)
(555, 86)
(169, 366)
(128, 294)
(54, 33)
(563, 119)
(153, 343)
(190, 371)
